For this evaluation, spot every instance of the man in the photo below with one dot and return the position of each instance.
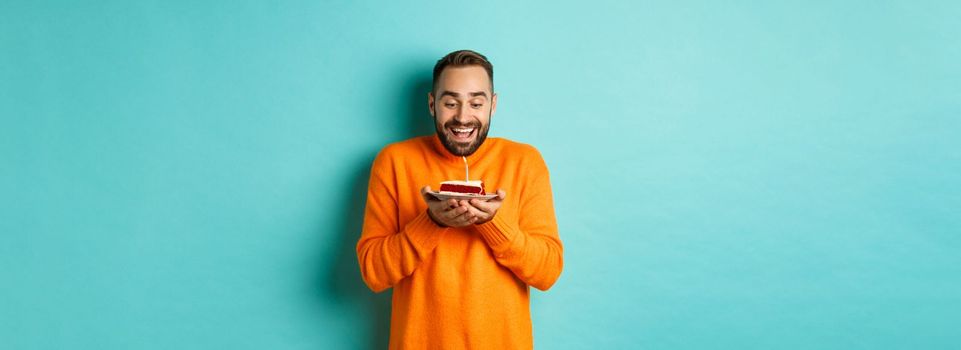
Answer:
(460, 269)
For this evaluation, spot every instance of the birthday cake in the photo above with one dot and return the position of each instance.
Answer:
(462, 187)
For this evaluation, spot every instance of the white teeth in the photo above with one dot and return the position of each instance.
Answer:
(463, 130)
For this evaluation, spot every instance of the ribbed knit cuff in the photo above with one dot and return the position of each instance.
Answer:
(498, 233)
(423, 233)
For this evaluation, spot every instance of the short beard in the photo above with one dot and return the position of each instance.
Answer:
(461, 150)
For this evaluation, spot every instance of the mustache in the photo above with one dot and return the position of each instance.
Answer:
(453, 124)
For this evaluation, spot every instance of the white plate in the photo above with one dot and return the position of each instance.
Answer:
(451, 195)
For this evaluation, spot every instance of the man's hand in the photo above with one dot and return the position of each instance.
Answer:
(448, 213)
(484, 211)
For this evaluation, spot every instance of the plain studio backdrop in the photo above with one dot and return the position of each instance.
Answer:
(746, 175)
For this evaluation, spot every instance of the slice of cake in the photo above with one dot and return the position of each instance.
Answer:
(472, 187)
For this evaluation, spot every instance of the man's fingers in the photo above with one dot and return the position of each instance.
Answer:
(491, 205)
(460, 213)
(480, 211)
(482, 205)
(461, 216)
(456, 212)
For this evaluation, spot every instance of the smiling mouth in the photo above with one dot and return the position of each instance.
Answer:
(462, 134)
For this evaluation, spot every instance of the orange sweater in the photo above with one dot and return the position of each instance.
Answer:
(459, 288)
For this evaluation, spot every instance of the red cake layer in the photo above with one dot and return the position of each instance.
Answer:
(462, 188)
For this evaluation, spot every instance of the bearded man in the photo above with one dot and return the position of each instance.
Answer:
(460, 268)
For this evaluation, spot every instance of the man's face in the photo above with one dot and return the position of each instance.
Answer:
(462, 108)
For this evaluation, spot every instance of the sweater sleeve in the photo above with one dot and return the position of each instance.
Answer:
(388, 252)
(531, 248)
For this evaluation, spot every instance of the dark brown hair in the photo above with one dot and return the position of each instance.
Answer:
(463, 58)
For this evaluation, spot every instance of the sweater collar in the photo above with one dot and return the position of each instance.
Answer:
(441, 151)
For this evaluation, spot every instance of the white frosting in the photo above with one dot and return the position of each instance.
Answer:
(472, 183)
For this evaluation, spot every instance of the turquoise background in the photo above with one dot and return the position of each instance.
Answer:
(727, 175)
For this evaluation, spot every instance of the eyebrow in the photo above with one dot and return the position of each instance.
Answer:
(454, 94)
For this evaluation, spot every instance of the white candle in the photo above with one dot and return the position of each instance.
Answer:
(466, 170)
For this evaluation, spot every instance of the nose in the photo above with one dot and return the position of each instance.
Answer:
(462, 115)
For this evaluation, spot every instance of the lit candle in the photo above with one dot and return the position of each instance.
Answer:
(466, 170)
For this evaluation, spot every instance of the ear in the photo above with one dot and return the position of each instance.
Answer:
(430, 102)
(493, 103)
